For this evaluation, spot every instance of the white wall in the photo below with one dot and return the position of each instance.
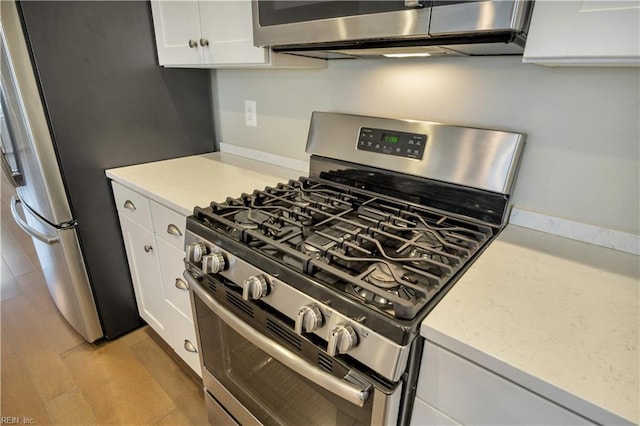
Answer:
(582, 156)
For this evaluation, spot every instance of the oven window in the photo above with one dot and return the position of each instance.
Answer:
(271, 391)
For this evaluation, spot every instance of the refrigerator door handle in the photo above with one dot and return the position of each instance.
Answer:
(25, 226)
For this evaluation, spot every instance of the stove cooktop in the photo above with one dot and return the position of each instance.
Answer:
(390, 255)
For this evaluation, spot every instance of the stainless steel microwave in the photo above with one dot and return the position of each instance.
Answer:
(341, 29)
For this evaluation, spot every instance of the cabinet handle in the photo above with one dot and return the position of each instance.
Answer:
(193, 43)
(204, 42)
(148, 248)
(173, 230)
(181, 284)
(189, 347)
(129, 205)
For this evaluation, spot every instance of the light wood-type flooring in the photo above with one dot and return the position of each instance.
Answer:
(49, 375)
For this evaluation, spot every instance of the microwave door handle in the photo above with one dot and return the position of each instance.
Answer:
(345, 390)
(25, 226)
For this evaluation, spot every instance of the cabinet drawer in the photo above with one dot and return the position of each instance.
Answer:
(132, 205)
(171, 269)
(425, 415)
(471, 394)
(168, 224)
(184, 340)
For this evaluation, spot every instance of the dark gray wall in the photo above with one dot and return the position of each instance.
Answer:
(110, 105)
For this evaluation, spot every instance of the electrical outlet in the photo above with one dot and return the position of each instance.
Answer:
(250, 114)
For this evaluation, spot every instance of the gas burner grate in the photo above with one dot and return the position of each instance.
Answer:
(391, 254)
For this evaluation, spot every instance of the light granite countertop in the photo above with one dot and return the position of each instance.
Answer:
(557, 316)
(186, 182)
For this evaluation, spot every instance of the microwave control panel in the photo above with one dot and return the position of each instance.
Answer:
(409, 145)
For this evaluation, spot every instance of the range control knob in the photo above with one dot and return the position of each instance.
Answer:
(195, 251)
(213, 263)
(342, 338)
(255, 287)
(308, 319)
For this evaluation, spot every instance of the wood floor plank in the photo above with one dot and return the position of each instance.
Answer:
(9, 286)
(70, 408)
(20, 397)
(183, 390)
(17, 260)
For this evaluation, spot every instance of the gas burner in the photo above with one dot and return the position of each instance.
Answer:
(250, 219)
(384, 275)
(379, 301)
(301, 201)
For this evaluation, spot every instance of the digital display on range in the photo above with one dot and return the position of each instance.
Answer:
(409, 145)
(389, 138)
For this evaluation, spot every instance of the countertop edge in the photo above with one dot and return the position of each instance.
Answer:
(521, 378)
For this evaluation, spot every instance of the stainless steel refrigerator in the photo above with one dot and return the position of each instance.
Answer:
(81, 93)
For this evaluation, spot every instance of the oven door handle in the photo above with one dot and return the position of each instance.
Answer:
(353, 390)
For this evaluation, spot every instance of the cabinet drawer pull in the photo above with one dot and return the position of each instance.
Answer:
(173, 230)
(181, 284)
(129, 205)
(189, 347)
(193, 43)
(204, 42)
(148, 248)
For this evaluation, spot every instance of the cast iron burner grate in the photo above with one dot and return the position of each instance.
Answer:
(392, 255)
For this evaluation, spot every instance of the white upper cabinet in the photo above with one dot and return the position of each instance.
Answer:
(589, 32)
(214, 34)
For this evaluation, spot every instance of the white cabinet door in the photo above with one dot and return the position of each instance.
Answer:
(588, 32)
(145, 274)
(177, 31)
(228, 28)
(471, 394)
(176, 290)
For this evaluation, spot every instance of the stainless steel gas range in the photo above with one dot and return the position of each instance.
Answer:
(308, 296)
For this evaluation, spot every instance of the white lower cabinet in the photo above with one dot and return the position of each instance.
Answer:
(145, 274)
(425, 414)
(153, 236)
(454, 390)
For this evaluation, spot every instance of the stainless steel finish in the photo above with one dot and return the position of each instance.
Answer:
(376, 352)
(174, 230)
(342, 339)
(47, 239)
(483, 16)
(403, 23)
(216, 414)
(412, 3)
(213, 263)
(386, 408)
(181, 284)
(255, 287)
(62, 263)
(383, 412)
(432, 25)
(308, 319)
(129, 205)
(193, 43)
(477, 158)
(227, 400)
(204, 42)
(195, 251)
(356, 395)
(190, 347)
(45, 192)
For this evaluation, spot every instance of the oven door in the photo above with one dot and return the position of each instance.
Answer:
(250, 378)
